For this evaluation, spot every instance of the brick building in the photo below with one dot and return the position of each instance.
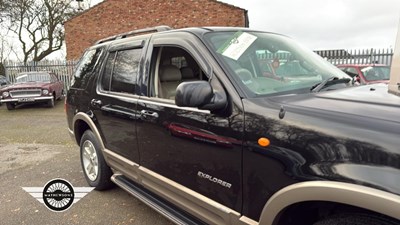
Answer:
(117, 16)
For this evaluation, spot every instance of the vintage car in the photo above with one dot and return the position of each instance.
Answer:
(32, 87)
(3, 83)
(367, 73)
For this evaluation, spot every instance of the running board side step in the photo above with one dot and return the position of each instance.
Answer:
(169, 211)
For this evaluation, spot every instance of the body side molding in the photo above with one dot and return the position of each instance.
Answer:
(202, 207)
(330, 191)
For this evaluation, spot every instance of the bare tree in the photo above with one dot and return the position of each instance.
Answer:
(5, 48)
(38, 25)
(4, 6)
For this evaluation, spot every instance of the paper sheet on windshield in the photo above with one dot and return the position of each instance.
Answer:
(237, 45)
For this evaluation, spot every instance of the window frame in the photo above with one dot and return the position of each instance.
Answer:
(115, 48)
(156, 63)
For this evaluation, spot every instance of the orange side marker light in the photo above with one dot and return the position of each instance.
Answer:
(263, 142)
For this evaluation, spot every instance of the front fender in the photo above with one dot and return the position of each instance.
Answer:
(330, 191)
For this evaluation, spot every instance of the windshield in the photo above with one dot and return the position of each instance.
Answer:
(35, 77)
(376, 73)
(3, 80)
(270, 64)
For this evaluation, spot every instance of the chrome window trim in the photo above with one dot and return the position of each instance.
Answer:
(169, 104)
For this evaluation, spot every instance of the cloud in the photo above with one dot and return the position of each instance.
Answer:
(327, 24)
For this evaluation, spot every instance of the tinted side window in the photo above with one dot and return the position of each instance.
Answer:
(125, 71)
(87, 63)
(106, 78)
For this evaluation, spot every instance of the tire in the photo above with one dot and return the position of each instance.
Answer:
(357, 219)
(61, 95)
(97, 172)
(51, 102)
(10, 106)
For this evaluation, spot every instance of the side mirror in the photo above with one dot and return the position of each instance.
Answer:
(193, 94)
(199, 94)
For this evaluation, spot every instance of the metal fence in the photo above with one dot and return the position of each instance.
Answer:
(358, 56)
(63, 69)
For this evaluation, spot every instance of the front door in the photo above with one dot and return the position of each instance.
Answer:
(197, 149)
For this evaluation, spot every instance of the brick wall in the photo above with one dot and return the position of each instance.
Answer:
(117, 16)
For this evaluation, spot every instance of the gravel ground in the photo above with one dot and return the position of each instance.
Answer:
(35, 147)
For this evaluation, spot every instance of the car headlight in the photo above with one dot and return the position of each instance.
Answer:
(5, 94)
(45, 92)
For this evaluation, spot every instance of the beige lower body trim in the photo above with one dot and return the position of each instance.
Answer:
(345, 193)
(196, 204)
(122, 165)
(247, 220)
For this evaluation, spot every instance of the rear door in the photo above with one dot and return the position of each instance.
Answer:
(114, 104)
(195, 148)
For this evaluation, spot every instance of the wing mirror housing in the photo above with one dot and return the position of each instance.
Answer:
(199, 94)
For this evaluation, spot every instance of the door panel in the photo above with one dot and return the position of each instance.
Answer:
(199, 150)
(115, 102)
(116, 118)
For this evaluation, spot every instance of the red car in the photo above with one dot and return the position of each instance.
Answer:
(367, 73)
(32, 87)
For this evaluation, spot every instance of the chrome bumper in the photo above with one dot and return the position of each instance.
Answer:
(31, 99)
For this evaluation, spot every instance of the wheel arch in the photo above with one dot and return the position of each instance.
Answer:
(83, 122)
(334, 192)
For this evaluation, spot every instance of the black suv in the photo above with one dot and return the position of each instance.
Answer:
(197, 123)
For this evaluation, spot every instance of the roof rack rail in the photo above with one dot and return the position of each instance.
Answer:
(134, 32)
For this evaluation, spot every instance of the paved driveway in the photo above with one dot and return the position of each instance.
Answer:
(34, 148)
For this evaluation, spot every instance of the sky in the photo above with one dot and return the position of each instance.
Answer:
(321, 24)
(327, 24)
